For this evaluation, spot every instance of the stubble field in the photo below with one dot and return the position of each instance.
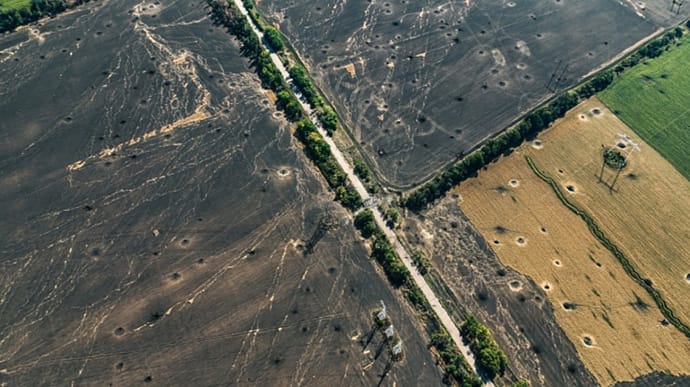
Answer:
(420, 83)
(616, 327)
(155, 213)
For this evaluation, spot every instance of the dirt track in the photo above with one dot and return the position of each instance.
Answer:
(172, 251)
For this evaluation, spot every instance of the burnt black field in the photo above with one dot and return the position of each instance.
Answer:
(154, 211)
(433, 79)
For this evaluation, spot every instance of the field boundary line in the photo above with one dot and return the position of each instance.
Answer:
(610, 246)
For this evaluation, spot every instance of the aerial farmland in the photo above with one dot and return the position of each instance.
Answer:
(357, 193)
(420, 84)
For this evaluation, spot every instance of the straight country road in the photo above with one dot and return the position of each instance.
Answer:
(420, 281)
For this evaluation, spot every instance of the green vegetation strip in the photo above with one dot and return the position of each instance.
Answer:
(452, 361)
(491, 358)
(300, 76)
(654, 101)
(596, 231)
(316, 148)
(14, 13)
(538, 120)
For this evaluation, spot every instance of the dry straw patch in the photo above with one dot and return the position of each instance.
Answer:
(647, 216)
(613, 323)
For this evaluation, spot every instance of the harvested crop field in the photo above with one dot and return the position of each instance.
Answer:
(155, 213)
(421, 82)
(653, 99)
(614, 324)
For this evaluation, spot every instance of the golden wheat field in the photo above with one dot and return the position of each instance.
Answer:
(614, 324)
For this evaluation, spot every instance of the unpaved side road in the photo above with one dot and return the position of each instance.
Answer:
(443, 316)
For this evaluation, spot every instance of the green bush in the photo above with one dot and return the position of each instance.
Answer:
(490, 356)
(421, 261)
(301, 78)
(328, 119)
(289, 104)
(362, 171)
(365, 223)
(349, 197)
(454, 363)
(273, 38)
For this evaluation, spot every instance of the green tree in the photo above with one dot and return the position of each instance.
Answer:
(273, 38)
(328, 119)
(365, 223)
(361, 170)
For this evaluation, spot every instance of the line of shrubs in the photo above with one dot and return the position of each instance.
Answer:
(530, 126)
(454, 361)
(381, 250)
(316, 147)
(490, 356)
(454, 364)
(15, 17)
(320, 152)
(627, 266)
(326, 115)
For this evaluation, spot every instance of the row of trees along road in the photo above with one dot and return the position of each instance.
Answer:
(532, 124)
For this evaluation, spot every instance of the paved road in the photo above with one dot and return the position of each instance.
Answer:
(357, 184)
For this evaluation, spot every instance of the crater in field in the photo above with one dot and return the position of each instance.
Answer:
(521, 241)
(500, 229)
(582, 117)
(542, 229)
(283, 172)
(515, 285)
(537, 144)
(557, 263)
(514, 183)
(546, 286)
(569, 305)
(687, 277)
(595, 112)
(119, 331)
(570, 188)
(587, 340)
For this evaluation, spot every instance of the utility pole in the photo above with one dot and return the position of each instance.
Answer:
(625, 139)
(675, 5)
(553, 75)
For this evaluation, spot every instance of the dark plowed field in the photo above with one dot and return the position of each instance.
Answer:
(422, 82)
(154, 216)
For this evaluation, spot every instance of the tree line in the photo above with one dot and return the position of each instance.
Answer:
(450, 358)
(325, 114)
(316, 147)
(490, 356)
(14, 17)
(531, 125)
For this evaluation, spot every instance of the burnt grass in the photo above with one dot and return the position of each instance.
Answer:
(435, 79)
(179, 259)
